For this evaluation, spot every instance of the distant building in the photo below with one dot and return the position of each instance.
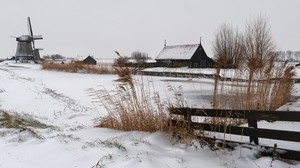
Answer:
(89, 60)
(191, 55)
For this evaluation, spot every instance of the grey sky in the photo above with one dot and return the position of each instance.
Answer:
(100, 27)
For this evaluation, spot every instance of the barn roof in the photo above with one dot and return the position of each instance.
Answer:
(178, 52)
(89, 58)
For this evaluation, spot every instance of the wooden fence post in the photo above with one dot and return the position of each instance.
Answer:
(188, 119)
(252, 122)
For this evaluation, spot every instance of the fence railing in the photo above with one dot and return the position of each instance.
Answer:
(252, 130)
(196, 75)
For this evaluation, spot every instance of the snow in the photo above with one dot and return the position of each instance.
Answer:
(181, 52)
(62, 100)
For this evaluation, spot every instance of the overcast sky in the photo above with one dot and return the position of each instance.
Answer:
(100, 27)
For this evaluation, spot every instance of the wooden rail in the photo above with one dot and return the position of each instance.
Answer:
(252, 131)
(195, 75)
(177, 74)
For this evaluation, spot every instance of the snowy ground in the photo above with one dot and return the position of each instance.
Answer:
(61, 100)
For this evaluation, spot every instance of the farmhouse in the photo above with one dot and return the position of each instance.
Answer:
(191, 55)
(89, 60)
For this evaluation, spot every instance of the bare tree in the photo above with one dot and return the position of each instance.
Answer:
(54, 56)
(228, 47)
(259, 49)
(139, 56)
(228, 53)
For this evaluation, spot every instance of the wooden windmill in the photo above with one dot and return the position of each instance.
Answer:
(26, 48)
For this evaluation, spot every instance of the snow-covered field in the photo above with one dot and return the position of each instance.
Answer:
(61, 100)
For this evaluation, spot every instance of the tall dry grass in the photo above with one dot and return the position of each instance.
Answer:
(269, 88)
(133, 105)
(257, 83)
(76, 67)
(266, 88)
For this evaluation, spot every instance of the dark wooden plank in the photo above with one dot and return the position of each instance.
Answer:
(246, 131)
(247, 114)
(253, 132)
(243, 131)
(278, 134)
(264, 150)
(207, 112)
(274, 115)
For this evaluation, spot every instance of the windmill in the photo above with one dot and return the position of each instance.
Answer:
(26, 48)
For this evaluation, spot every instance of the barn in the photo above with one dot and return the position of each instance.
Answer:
(191, 55)
(89, 60)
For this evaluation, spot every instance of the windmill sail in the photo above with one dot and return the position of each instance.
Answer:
(37, 37)
(30, 32)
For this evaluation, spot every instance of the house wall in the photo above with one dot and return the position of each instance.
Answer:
(172, 63)
(201, 60)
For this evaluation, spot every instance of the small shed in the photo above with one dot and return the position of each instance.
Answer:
(89, 60)
(191, 55)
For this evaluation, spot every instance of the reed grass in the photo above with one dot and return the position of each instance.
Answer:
(76, 67)
(267, 88)
(133, 105)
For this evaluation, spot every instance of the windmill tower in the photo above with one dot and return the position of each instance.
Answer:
(26, 48)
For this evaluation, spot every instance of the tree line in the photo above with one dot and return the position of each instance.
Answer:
(292, 56)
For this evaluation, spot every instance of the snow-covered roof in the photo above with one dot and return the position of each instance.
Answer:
(178, 52)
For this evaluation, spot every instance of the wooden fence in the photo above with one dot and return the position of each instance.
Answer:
(177, 74)
(252, 131)
(195, 75)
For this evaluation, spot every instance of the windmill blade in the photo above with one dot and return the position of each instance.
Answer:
(30, 31)
(33, 46)
(29, 27)
(37, 37)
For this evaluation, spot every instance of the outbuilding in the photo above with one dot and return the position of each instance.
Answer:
(89, 60)
(191, 55)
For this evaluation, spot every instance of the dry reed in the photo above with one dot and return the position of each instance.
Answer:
(270, 88)
(76, 67)
(133, 105)
(266, 88)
